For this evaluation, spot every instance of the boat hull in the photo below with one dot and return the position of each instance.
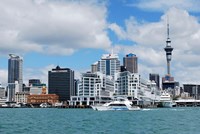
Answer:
(168, 104)
(109, 108)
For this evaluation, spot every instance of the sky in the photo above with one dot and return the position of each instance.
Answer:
(76, 33)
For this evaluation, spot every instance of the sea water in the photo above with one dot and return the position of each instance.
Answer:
(86, 121)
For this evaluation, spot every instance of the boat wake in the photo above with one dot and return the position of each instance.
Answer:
(147, 109)
(176, 109)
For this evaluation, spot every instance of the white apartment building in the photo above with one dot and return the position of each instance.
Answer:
(3, 101)
(133, 86)
(93, 88)
(127, 84)
(2, 92)
(109, 64)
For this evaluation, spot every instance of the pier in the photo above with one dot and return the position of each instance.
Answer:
(187, 103)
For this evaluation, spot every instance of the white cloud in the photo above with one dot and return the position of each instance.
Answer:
(37, 73)
(3, 77)
(118, 30)
(163, 5)
(41, 25)
(42, 73)
(150, 40)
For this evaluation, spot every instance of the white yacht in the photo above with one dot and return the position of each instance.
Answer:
(166, 100)
(118, 103)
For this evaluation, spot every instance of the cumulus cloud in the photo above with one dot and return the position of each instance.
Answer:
(51, 26)
(37, 73)
(163, 5)
(42, 73)
(149, 41)
(3, 77)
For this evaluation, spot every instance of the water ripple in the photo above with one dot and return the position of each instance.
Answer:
(87, 121)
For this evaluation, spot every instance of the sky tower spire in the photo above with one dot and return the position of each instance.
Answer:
(167, 27)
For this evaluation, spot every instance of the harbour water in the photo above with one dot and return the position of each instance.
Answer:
(86, 121)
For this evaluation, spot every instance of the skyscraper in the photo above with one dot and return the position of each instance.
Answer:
(34, 82)
(131, 63)
(193, 90)
(94, 67)
(61, 82)
(156, 78)
(15, 64)
(109, 64)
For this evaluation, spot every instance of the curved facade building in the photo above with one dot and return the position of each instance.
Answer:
(15, 75)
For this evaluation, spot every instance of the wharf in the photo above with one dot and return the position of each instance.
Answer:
(187, 103)
(75, 106)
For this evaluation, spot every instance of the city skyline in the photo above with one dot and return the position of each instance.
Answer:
(45, 36)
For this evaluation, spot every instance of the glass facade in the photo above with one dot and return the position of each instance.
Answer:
(131, 63)
(61, 82)
(109, 65)
(15, 64)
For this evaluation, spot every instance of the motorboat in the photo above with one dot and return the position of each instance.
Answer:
(45, 105)
(166, 100)
(118, 103)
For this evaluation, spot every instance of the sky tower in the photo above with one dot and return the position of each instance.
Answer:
(168, 49)
(168, 81)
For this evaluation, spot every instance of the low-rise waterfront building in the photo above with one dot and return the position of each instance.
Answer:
(21, 97)
(185, 95)
(43, 98)
(3, 101)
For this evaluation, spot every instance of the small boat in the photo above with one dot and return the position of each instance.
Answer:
(45, 105)
(166, 100)
(117, 104)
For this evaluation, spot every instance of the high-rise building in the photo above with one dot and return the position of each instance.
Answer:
(34, 82)
(155, 78)
(94, 67)
(131, 63)
(76, 83)
(15, 64)
(193, 90)
(109, 64)
(61, 82)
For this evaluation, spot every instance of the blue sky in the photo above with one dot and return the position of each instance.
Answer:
(75, 34)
